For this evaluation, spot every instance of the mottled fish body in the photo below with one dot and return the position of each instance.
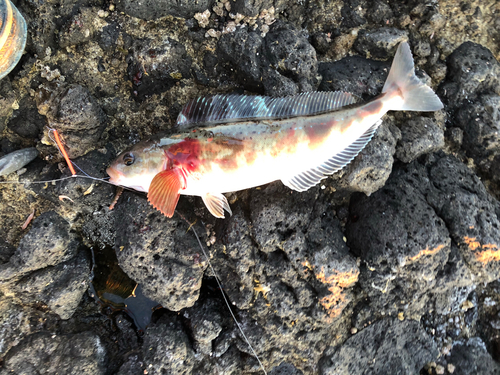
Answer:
(247, 141)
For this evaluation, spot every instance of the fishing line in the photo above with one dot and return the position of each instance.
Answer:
(223, 294)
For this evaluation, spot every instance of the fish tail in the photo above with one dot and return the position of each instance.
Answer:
(402, 81)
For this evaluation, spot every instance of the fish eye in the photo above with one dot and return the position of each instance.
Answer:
(128, 158)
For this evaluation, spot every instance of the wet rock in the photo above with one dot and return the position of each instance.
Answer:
(277, 85)
(60, 287)
(409, 246)
(291, 54)
(167, 349)
(158, 253)
(155, 65)
(389, 347)
(369, 171)
(380, 13)
(379, 43)
(75, 113)
(472, 71)
(48, 353)
(16, 160)
(154, 9)
(419, 136)
(471, 357)
(48, 243)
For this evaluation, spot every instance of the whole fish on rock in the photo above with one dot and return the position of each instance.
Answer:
(245, 141)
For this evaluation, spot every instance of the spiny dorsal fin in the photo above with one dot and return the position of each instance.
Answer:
(231, 108)
(307, 179)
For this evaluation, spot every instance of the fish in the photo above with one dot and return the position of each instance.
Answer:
(235, 142)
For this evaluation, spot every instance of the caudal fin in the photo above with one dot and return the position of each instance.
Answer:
(417, 95)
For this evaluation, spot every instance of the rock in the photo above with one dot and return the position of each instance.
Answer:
(6, 251)
(251, 8)
(369, 171)
(354, 74)
(241, 51)
(206, 324)
(48, 243)
(17, 322)
(419, 136)
(51, 353)
(156, 65)
(16, 160)
(60, 287)
(471, 357)
(291, 54)
(389, 347)
(379, 43)
(470, 213)
(409, 246)
(76, 115)
(158, 253)
(81, 28)
(472, 71)
(380, 13)
(167, 349)
(277, 85)
(285, 369)
(480, 123)
(353, 14)
(154, 9)
(28, 122)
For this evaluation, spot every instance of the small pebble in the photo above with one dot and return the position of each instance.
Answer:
(451, 368)
(439, 370)
(354, 330)
(401, 316)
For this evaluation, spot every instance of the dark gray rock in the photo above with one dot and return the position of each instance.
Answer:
(277, 85)
(354, 74)
(242, 52)
(158, 253)
(205, 321)
(380, 13)
(250, 8)
(167, 349)
(379, 43)
(291, 54)
(75, 113)
(419, 136)
(470, 213)
(401, 241)
(60, 287)
(17, 322)
(480, 123)
(27, 122)
(47, 353)
(80, 29)
(386, 347)
(154, 9)
(369, 171)
(6, 251)
(471, 357)
(472, 71)
(164, 59)
(285, 369)
(48, 243)
(353, 14)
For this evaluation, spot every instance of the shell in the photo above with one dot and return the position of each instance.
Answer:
(12, 36)
(16, 160)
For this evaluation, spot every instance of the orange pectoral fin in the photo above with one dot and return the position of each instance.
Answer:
(164, 191)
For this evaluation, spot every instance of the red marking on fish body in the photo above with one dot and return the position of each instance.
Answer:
(317, 133)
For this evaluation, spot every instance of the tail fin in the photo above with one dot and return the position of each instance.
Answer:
(417, 95)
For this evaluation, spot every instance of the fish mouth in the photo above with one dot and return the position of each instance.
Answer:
(115, 175)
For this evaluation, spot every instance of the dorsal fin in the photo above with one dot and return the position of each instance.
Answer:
(231, 108)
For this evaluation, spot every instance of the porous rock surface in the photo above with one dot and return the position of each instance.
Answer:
(391, 266)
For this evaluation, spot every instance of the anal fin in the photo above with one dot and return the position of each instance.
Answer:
(216, 204)
(164, 191)
(306, 179)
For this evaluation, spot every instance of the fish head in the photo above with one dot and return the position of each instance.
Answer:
(137, 166)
